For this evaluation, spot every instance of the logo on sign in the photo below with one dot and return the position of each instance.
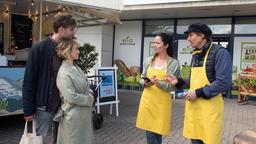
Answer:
(127, 41)
(186, 50)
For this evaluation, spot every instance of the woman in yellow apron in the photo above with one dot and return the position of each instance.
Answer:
(210, 76)
(154, 114)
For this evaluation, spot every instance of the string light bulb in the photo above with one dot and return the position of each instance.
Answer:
(36, 17)
(6, 12)
(46, 13)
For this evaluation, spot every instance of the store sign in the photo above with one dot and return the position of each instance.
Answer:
(127, 41)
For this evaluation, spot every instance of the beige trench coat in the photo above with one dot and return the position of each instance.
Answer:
(77, 101)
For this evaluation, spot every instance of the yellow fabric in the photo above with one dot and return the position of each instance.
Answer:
(203, 118)
(155, 106)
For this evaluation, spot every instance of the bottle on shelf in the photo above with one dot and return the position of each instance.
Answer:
(246, 55)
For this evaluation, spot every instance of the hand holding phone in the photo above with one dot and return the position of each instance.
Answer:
(146, 79)
(147, 82)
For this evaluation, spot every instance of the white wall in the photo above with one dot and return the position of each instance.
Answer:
(111, 4)
(102, 38)
(128, 42)
(107, 46)
(91, 35)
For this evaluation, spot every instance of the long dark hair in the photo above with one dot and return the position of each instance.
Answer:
(167, 39)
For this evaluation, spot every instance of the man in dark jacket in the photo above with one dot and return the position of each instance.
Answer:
(210, 76)
(40, 94)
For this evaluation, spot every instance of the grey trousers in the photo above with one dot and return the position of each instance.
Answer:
(44, 120)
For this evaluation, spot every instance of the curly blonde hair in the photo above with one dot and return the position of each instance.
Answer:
(64, 48)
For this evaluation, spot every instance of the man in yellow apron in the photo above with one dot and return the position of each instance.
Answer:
(210, 76)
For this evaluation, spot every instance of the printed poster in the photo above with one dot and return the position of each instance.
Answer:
(107, 87)
(11, 80)
(248, 54)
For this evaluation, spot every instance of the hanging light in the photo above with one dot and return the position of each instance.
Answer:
(6, 12)
(59, 10)
(32, 3)
(46, 14)
(29, 14)
(36, 17)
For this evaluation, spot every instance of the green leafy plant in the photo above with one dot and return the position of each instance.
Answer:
(253, 83)
(87, 58)
(245, 82)
(3, 104)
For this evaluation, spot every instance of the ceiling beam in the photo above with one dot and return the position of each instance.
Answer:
(8, 2)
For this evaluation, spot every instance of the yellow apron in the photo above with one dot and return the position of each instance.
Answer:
(155, 106)
(203, 118)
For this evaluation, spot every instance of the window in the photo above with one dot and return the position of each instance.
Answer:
(245, 25)
(217, 25)
(157, 26)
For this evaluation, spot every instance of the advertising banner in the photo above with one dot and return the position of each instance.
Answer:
(184, 57)
(128, 42)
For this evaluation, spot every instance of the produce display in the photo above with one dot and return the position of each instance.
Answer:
(246, 84)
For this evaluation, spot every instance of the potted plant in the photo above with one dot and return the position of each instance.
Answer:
(87, 58)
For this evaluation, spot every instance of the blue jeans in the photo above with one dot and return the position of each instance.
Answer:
(44, 120)
(196, 141)
(153, 138)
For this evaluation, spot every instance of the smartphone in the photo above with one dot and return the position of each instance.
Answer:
(146, 79)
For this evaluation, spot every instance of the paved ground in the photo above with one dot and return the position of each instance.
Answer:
(121, 130)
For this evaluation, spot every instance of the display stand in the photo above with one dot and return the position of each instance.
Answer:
(107, 91)
(246, 86)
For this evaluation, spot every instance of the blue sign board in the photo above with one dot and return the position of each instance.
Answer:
(107, 87)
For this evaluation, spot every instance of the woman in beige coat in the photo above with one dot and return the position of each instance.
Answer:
(76, 125)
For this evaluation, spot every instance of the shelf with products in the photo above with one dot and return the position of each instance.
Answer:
(246, 86)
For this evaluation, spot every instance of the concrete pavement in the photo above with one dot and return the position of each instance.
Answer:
(122, 130)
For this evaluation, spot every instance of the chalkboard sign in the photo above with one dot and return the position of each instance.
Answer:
(21, 31)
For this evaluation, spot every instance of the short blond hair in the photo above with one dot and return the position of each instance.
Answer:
(64, 48)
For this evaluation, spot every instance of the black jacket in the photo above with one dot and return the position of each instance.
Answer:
(39, 86)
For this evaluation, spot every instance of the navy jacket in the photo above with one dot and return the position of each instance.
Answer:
(218, 71)
(39, 84)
